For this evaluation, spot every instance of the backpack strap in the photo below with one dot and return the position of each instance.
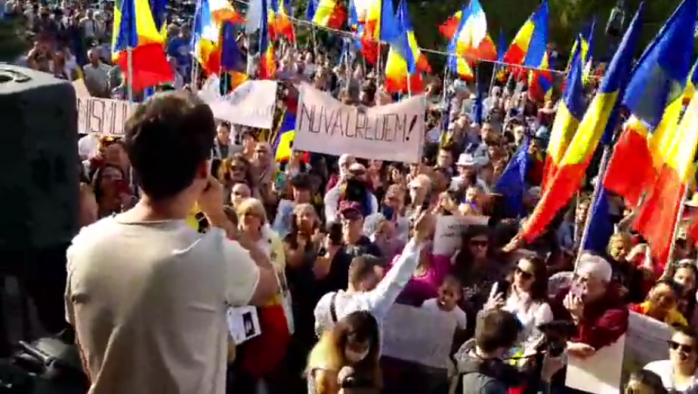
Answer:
(333, 309)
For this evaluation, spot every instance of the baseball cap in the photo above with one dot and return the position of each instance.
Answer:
(347, 207)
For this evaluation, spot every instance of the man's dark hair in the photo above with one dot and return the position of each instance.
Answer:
(167, 140)
(496, 329)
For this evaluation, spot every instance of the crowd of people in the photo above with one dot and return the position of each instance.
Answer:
(185, 218)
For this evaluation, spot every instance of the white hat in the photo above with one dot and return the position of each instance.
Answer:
(466, 160)
(595, 266)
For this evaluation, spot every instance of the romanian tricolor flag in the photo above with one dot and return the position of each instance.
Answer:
(524, 51)
(584, 41)
(283, 143)
(472, 40)
(326, 13)
(135, 32)
(655, 100)
(281, 25)
(597, 121)
(690, 84)
(540, 81)
(208, 23)
(405, 60)
(232, 62)
(658, 214)
(267, 59)
(569, 114)
(458, 64)
(449, 28)
(380, 25)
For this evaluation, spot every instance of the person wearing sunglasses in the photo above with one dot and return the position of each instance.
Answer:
(525, 294)
(679, 372)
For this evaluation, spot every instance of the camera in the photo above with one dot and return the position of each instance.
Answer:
(556, 334)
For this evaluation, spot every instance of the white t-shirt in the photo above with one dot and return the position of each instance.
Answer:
(456, 314)
(148, 302)
(664, 370)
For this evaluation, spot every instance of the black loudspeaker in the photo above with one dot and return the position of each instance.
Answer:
(39, 173)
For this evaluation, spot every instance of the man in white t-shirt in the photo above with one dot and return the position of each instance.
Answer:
(147, 294)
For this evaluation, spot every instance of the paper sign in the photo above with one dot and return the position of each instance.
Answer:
(392, 132)
(252, 104)
(447, 235)
(599, 374)
(646, 340)
(418, 335)
(104, 116)
(243, 323)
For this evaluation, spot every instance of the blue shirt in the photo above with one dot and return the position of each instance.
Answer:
(179, 49)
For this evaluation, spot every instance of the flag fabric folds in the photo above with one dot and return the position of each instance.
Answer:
(449, 28)
(658, 214)
(326, 13)
(590, 132)
(524, 50)
(232, 62)
(209, 35)
(569, 113)
(512, 183)
(267, 60)
(471, 37)
(405, 60)
(655, 100)
(281, 24)
(135, 31)
(379, 25)
(283, 144)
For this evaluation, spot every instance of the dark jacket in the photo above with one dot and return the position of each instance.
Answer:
(479, 376)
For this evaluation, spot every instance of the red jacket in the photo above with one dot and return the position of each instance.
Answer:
(604, 320)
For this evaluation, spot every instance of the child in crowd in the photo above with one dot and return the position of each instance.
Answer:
(450, 292)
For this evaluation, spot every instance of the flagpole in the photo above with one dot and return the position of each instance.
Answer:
(600, 179)
(494, 75)
(129, 71)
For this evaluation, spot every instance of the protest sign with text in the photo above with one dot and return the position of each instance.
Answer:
(390, 132)
(252, 104)
(418, 335)
(104, 116)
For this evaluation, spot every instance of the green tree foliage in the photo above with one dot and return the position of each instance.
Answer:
(12, 40)
(567, 18)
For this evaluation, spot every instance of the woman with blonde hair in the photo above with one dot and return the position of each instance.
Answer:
(352, 344)
(263, 355)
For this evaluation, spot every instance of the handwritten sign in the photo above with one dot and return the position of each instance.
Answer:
(418, 335)
(600, 373)
(104, 116)
(447, 235)
(252, 104)
(390, 132)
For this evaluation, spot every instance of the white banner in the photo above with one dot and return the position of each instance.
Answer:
(390, 132)
(251, 104)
